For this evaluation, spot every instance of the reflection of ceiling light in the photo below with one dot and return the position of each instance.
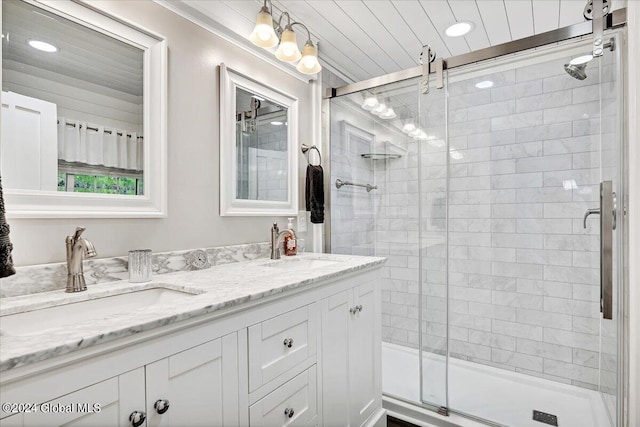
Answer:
(455, 154)
(43, 46)
(570, 184)
(370, 103)
(581, 59)
(388, 114)
(436, 142)
(276, 123)
(381, 108)
(458, 29)
(415, 132)
(408, 127)
(484, 85)
(422, 136)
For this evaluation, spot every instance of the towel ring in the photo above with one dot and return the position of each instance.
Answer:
(305, 150)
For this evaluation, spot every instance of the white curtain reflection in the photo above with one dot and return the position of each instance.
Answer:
(96, 145)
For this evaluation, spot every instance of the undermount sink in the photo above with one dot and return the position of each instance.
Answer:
(301, 263)
(98, 308)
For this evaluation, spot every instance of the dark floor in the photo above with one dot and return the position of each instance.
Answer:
(394, 422)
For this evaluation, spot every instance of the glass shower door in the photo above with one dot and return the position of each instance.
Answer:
(511, 327)
(431, 147)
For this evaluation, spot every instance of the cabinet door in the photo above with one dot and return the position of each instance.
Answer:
(108, 403)
(364, 348)
(335, 359)
(200, 384)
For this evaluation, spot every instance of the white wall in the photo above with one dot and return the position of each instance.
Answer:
(193, 159)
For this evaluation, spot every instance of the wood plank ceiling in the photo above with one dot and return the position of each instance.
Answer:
(368, 38)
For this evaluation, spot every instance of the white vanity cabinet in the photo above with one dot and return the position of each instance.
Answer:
(351, 374)
(196, 387)
(309, 357)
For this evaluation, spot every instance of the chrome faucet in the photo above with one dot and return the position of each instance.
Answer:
(77, 248)
(276, 237)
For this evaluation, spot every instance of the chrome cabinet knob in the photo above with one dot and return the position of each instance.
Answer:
(355, 309)
(137, 418)
(161, 406)
(288, 342)
(289, 412)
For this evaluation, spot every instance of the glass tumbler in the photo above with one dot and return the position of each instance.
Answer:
(140, 265)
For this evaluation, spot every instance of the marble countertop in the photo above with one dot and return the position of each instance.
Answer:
(216, 288)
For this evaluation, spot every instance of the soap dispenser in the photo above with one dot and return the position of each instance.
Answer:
(290, 244)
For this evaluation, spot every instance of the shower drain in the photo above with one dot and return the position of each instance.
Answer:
(543, 417)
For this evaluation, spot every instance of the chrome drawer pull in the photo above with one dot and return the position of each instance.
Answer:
(161, 406)
(288, 342)
(137, 418)
(289, 412)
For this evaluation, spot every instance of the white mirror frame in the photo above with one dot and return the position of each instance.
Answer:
(153, 204)
(229, 204)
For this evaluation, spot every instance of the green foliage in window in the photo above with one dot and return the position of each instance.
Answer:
(84, 184)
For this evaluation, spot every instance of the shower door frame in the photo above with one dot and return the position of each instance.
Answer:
(616, 19)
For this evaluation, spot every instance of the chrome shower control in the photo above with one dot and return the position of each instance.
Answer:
(289, 412)
(137, 418)
(161, 406)
(288, 342)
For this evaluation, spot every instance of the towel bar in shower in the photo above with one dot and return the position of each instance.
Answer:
(369, 187)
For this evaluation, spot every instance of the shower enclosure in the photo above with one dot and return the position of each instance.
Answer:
(478, 195)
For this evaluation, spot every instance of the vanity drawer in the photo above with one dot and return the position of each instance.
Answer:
(292, 404)
(279, 344)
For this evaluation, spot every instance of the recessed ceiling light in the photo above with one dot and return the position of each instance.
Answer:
(484, 84)
(459, 29)
(276, 123)
(581, 59)
(43, 46)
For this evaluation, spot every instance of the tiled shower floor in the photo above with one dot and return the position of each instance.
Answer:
(498, 395)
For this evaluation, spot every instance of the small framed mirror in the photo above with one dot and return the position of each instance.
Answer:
(258, 140)
(83, 114)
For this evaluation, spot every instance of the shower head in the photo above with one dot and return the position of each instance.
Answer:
(576, 71)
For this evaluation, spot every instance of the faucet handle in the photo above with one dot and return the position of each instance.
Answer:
(275, 226)
(78, 232)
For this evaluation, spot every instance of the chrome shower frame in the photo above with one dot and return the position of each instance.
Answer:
(615, 19)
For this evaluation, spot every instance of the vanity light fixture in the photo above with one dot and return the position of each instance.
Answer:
(459, 29)
(263, 34)
(266, 34)
(43, 46)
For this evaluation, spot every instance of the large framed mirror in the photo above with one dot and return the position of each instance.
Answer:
(258, 140)
(83, 113)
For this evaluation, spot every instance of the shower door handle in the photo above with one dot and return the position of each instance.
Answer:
(607, 225)
(607, 212)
